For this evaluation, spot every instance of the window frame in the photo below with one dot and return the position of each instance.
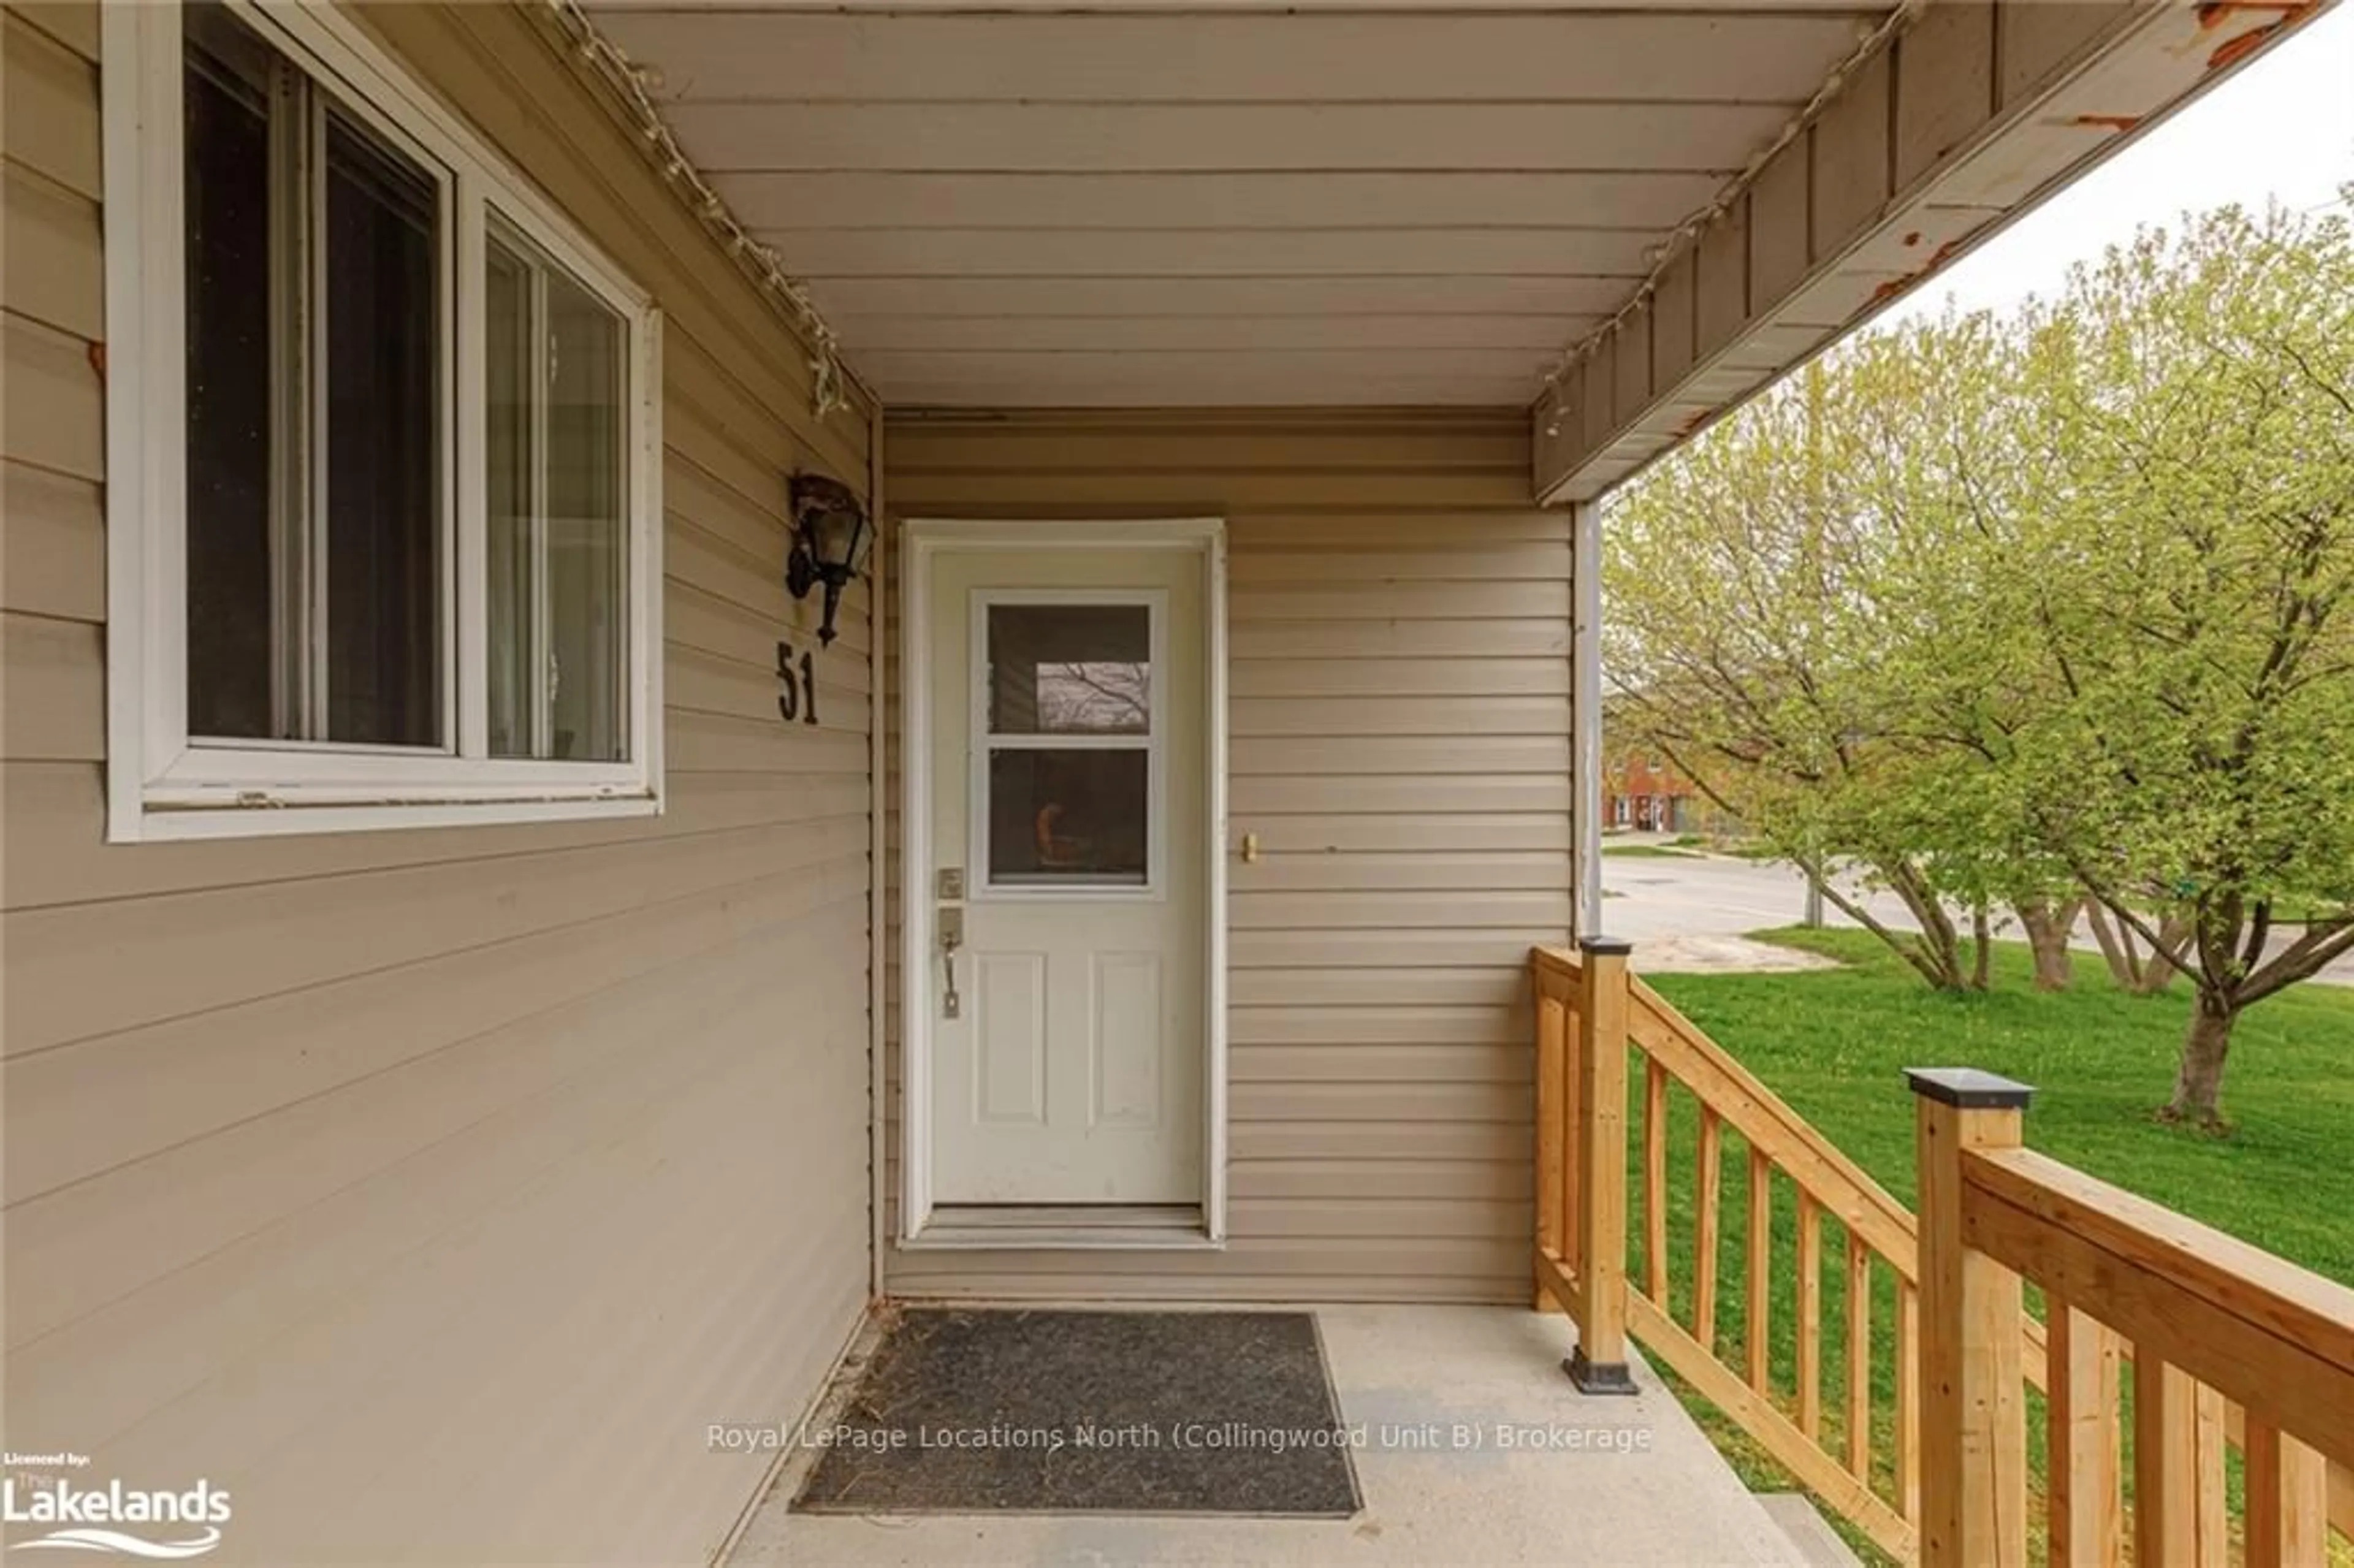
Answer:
(164, 784)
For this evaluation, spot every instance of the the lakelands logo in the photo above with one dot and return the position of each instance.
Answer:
(91, 1517)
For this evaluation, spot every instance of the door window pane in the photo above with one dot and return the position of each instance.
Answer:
(384, 526)
(559, 536)
(1057, 669)
(1068, 817)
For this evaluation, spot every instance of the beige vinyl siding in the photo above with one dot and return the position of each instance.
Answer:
(433, 1190)
(1399, 628)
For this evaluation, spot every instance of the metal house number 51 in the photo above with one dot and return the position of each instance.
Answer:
(796, 687)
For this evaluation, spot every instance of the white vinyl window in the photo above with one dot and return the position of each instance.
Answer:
(384, 507)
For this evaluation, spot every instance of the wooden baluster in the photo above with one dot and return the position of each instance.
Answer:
(1708, 1192)
(2208, 1443)
(1552, 1022)
(2081, 1409)
(1908, 1400)
(2288, 1500)
(1811, 1315)
(1655, 1180)
(1573, 1129)
(1972, 1402)
(1599, 1364)
(1761, 1267)
(2166, 1463)
(1858, 1358)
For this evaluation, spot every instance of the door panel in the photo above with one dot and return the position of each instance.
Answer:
(1009, 1050)
(1128, 1040)
(1069, 787)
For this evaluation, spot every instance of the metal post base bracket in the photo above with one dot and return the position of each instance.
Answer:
(1598, 1377)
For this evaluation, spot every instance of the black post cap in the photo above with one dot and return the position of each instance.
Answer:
(1609, 947)
(1967, 1088)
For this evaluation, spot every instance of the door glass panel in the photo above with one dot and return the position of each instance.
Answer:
(1068, 817)
(1070, 669)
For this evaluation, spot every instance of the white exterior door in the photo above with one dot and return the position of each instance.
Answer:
(1068, 819)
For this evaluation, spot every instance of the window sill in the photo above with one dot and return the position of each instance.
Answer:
(176, 819)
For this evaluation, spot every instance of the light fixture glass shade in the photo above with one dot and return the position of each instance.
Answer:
(838, 539)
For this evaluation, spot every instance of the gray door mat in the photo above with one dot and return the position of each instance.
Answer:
(972, 1411)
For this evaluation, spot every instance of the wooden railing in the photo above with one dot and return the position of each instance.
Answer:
(1630, 1097)
(2213, 1321)
(1862, 1466)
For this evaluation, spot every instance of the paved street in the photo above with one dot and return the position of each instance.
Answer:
(1646, 896)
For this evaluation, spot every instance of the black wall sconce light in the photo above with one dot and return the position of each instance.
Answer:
(832, 536)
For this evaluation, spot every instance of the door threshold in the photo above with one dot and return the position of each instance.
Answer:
(1073, 1227)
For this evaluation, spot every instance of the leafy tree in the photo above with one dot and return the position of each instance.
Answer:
(2040, 613)
(1741, 635)
(2199, 553)
(1949, 463)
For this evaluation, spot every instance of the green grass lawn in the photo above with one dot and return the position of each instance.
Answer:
(1646, 852)
(1832, 1042)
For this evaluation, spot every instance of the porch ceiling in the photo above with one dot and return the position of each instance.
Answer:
(1319, 205)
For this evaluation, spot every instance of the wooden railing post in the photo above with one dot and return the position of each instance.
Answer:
(1551, 1109)
(1598, 1365)
(1973, 1409)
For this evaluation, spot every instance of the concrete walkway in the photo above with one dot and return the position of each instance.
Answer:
(1702, 955)
(1475, 1449)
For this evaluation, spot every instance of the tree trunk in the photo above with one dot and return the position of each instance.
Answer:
(1982, 935)
(1932, 950)
(2047, 928)
(1935, 950)
(2199, 1080)
(2116, 944)
(2174, 937)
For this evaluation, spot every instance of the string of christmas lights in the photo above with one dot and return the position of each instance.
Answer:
(1873, 38)
(635, 85)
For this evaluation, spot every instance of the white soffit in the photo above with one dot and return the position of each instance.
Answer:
(1230, 206)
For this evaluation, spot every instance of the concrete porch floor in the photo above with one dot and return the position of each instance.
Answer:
(1646, 1488)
